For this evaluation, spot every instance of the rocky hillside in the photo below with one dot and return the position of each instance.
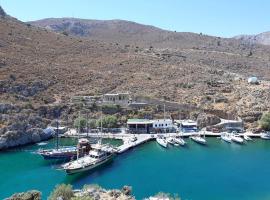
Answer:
(40, 70)
(262, 38)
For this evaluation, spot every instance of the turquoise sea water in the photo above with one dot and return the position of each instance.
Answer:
(216, 171)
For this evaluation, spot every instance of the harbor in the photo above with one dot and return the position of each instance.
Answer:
(181, 168)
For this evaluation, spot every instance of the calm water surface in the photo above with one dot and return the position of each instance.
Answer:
(216, 171)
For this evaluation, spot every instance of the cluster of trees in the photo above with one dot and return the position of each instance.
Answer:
(108, 121)
(265, 122)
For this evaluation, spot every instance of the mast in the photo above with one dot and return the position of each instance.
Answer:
(101, 127)
(57, 132)
(87, 123)
(164, 112)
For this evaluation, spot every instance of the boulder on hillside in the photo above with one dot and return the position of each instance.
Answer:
(204, 120)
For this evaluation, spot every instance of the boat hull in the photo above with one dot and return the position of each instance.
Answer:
(61, 154)
(90, 167)
(203, 142)
(58, 156)
(162, 143)
(238, 140)
(229, 140)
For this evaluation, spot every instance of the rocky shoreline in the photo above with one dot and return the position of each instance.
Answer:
(89, 192)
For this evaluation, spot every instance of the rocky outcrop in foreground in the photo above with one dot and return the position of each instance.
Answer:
(89, 192)
(30, 195)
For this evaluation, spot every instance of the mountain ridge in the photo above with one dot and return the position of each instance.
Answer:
(261, 38)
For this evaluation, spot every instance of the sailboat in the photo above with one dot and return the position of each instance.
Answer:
(179, 141)
(265, 136)
(162, 142)
(247, 138)
(65, 153)
(237, 139)
(97, 156)
(226, 137)
(198, 139)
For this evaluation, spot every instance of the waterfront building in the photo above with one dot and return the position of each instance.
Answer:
(139, 125)
(150, 126)
(188, 126)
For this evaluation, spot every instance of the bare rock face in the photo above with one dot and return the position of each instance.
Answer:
(30, 195)
(204, 120)
(2, 12)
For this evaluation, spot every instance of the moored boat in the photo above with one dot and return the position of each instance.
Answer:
(96, 157)
(67, 153)
(226, 137)
(265, 136)
(179, 141)
(237, 139)
(162, 142)
(247, 138)
(198, 139)
(170, 140)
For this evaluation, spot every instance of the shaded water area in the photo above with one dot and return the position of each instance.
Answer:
(216, 171)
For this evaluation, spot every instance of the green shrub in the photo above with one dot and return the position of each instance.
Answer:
(265, 121)
(80, 123)
(109, 121)
(110, 109)
(64, 191)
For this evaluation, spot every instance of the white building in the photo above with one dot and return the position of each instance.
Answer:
(253, 80)
(162, 124)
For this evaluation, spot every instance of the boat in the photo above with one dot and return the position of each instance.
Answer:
(170, 140)
(67, 153)
(179, 141)
(247, 138)
(237, 139)
(226, 137)
(95, 158)
(265, 136)
(98, 155)
(162, 142)
(198, 139)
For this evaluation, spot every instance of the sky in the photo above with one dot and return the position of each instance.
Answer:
(224, 18)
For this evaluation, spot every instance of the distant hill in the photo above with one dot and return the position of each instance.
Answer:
(262, 38)
(126, 32)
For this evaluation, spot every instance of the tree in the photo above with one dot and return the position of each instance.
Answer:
(265, 121)
(109, 121)
(62, 191)
(80, 123)
(92, 123)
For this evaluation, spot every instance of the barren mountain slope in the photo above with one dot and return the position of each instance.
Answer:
(40, 69)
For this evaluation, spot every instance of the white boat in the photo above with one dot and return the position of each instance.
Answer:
(162, 142)
(179, 141)
(94, 159)
(170, 140)
(237, 139)
(265, 136)
(198, 139)
(226, 137)
(247, 138)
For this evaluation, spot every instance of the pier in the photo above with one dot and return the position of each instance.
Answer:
(129, 142)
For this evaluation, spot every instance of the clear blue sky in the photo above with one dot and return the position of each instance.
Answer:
(224, 18)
